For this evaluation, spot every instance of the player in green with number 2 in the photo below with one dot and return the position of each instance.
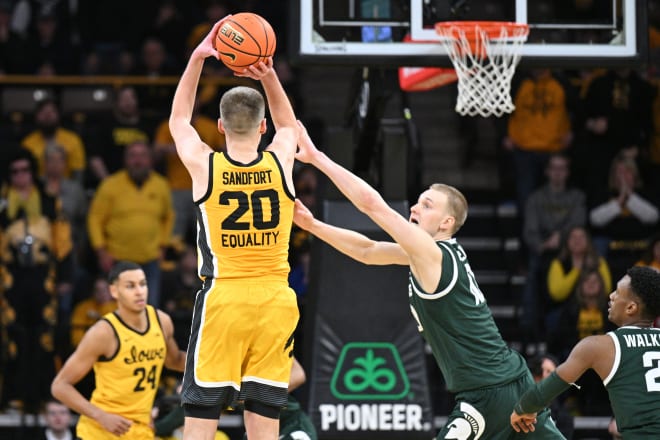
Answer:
(628, 361)
(127, 349)
(445, 299)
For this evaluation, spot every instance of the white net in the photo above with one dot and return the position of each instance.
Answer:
(485, 56)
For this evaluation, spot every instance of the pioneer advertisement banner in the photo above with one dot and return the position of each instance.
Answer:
(368, 375)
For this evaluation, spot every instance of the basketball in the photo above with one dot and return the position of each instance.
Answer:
(245, 39)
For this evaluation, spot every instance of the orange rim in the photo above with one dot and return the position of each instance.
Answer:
(492, 28)
(454, 30)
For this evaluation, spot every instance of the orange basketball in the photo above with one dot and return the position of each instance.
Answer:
(245, 39)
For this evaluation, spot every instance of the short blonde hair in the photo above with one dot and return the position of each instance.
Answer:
(242, 109)
(456, 204)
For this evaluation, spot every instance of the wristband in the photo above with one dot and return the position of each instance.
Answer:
(541, 394)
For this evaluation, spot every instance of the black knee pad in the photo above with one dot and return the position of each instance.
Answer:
(272, 412)
(201, 412)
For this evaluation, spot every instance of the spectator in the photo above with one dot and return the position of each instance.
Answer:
(71, 195)
(178, 287)
(582, 315)
(550, 211)
(110, 59)
(131, 217)
(618, 118)
(73, 202)
(623, 216)
(538, 127)
(169, 26)
(177, 175)
(650, 159)
(541, 366)
(90, 310)
(125, 126)
(70, 192)
(50, 132)
(112, 29)
(35, 251)
(577, 255)
(58, 420)
(11, 43)
(48, 51)
(651, 256)
(155, 62)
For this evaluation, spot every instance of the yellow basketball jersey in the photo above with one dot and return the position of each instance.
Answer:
(244, 220)
(126, 384)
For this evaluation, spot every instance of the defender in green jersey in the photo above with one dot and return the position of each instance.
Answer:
(445, 299)
(628, 361)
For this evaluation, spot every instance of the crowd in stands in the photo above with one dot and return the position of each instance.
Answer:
(587, 192)
(78, 195)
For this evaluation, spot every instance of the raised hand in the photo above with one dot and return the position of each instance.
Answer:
(302, 216)
(257, 71)
(206, 48)
(306, 147)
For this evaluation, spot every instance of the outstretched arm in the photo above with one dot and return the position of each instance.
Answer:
(595, 352)
(424, 256)
(348, 242)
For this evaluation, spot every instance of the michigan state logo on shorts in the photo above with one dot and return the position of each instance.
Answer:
(469, 426)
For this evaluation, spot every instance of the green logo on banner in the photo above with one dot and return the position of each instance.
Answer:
(369, 370)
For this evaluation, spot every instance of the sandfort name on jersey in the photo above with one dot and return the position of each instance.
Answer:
(642, 340)
(371, 417)
(246, 177)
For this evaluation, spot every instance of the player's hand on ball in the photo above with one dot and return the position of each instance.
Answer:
(257, 71)
(206, 47)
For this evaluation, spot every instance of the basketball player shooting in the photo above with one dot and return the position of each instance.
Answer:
(241, 343)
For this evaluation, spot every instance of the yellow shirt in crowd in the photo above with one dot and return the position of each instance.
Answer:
(131, 222)
(67, 139)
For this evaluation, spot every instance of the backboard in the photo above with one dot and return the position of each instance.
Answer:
(562, 33)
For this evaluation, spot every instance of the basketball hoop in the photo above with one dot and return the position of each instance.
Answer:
(485, 55)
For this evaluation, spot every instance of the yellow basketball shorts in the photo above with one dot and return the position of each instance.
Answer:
(88, 429)
(241, 344)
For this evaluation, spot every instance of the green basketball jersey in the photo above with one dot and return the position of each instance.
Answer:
(295, 424)
(634, 382)
(458, 325)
